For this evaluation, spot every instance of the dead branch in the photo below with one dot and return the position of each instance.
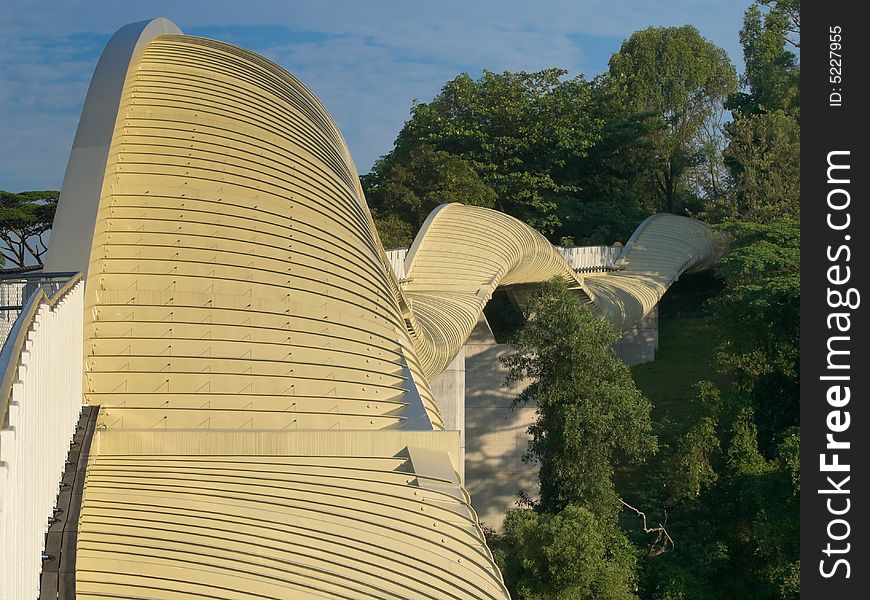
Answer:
(663, 541)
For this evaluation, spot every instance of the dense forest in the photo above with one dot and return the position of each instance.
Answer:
(644, 492)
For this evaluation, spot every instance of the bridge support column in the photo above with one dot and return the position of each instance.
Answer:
(638, 345)
(449, 391)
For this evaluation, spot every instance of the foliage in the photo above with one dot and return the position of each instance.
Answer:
(763, 154)
(730, 480)
(25, 217)
(585, 161)
(408, 191)
(759, 317)
(570, 555)
(521, 133)
(611, 196)
(740, 533)
(393, 231)
(573, 158)
(761, 357)
(740, 537)
(590, 417)
(692, 469)
(589, 411)
(770, 29)
(680, 79)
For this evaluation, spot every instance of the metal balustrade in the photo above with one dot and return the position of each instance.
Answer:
(16, 289)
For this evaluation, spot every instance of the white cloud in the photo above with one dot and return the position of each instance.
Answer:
(371, 60)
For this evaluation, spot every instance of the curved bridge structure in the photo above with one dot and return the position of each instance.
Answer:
(267, 427)
(463, 253)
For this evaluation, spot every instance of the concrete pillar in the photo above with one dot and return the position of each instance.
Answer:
(449, 391)
(497, 433)
(638, 345)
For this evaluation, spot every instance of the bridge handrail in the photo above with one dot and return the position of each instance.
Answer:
(11, 352)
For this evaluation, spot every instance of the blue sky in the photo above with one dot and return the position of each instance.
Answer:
(366, 60)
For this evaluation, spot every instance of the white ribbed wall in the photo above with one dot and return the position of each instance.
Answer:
(43, 412)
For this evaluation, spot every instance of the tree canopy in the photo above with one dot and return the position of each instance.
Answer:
(679, 78)
(574, 158)
(727, 477)
(669, 127)
(769, 37)
(763, 152)
(512, 141)
(427, 178)
(569, 555)
(25, 218)
(759, 319)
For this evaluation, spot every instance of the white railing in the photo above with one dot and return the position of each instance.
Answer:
(397, 261)
(40, 398)
(591, 258)
(585, 259)
(12, 297)
(16, 289)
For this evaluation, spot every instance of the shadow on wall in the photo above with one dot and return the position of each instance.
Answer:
(496, 435)
(638, 345)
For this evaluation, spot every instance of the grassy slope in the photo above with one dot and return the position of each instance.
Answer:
(685, 356)
(686, 351)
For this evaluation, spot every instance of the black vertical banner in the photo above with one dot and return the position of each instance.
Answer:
(835, 235)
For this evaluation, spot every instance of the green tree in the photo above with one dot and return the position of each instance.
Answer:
(611, 196)
(410, 190)
(763, 153)
(731, 481)
(570, 555)
(680, 79)
(25, 218)
(393, 231)
(771, 30)
(590, 414)
(590, 418)
(692, 469)
(767, 508)
(758, 317)
(521, 133)
(740, 536)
